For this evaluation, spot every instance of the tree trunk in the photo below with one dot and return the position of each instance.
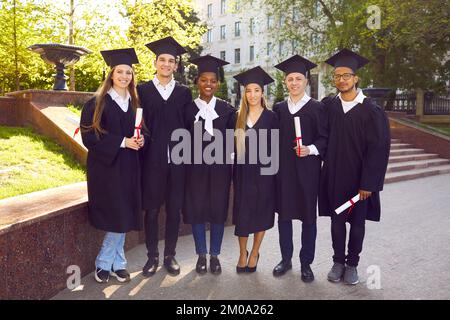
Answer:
(16, 51)
(71, 41)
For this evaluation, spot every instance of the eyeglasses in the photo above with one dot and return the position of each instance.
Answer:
(345, 76)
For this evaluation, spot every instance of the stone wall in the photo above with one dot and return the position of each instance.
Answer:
(45, 232)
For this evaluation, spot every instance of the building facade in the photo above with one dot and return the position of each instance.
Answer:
(242, 35)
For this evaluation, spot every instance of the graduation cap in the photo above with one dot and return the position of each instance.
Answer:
(209, 63)
(255, 75)
(296, 63)
(120, 56)
(347, 58)
(166, 45)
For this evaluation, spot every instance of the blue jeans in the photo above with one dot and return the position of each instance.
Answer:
(112, 254)
(215, 241)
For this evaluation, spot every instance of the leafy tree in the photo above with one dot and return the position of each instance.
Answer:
(408, 48)
(158, 19)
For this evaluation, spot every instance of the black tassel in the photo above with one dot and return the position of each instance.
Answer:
(180, 68)
(221, 74)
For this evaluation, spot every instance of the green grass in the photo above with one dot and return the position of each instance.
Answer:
(75, 109)
(442, 128)
(30, 162)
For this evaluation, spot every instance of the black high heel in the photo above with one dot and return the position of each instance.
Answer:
(253, 269)
(242, 269)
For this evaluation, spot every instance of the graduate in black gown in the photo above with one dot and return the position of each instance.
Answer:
(299, 174)
(208, 183)
(164, 102)
(113, 169)
(355, 163)
(254, 190)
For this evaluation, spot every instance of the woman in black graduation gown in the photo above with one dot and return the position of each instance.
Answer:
(113, 169)
(208, 184)
(254, 193)
(299, 174)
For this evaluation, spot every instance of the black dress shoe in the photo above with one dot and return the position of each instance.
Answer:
(252, 269)
(171, 265)
(150, 267)
(201, 265)
(214, 265)
(281, 268)
(242, 269)
(307, 274)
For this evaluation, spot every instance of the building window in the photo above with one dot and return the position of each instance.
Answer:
(294, 46)
(210, 10)
(269, 49)
(237, 5)
(237, 29)
(252, 53)
(223, 55)
(223, 6)
(209, 36)
(280, 48)
(222, 32)
(252, 25)
(237, 55)
(269, 21)
(295, 15)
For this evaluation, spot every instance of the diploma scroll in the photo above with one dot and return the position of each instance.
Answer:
(349, 204)
(298, 134)
(138, 123)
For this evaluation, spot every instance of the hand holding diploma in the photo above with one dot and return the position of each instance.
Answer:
(298, 137)
(363, 194)
(349, 204)
(137, 141)
(304, 151)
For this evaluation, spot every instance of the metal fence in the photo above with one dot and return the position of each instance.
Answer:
(436, 105)
(404, 102)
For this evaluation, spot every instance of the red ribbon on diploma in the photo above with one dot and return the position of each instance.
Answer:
(76, 131)
(138, 130)
(297, 142)
(351, 207)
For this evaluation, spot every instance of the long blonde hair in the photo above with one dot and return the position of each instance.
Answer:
(241, 123)
(100, 101)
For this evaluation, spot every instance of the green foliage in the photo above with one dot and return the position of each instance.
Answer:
(409, 50)
(96, 28)
(222, 92)
(150, 21)
(279, 89)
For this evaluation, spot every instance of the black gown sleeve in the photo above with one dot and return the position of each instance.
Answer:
(104, 148)
(322, 128)
(376, 156)
(187, 102)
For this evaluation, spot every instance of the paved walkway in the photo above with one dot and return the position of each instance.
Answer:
(409, 247)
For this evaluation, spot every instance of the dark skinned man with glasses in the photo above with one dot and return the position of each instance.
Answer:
(355, 164)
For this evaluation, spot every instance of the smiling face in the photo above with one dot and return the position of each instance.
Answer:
(207, 85)
(122, 76)
(165, 65)
(253, 94)
(296, 83)
(342, 84)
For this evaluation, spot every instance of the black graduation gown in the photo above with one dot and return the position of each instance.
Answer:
(254, 194)
(298, 178)
(357, 157)
(162, 117)
(113, 173)
(208, 185)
